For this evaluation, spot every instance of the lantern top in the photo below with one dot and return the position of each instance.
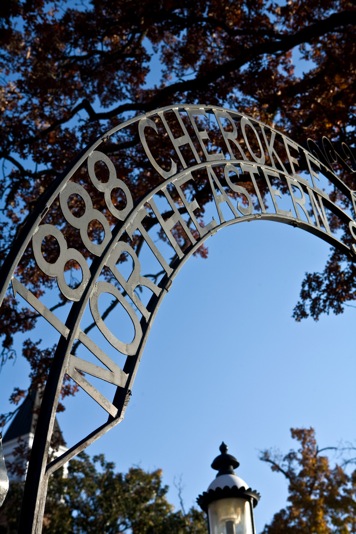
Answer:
(225, 463)
(226, 484)
(227, 481)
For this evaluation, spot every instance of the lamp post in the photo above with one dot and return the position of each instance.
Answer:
(229, 501)
(4, 480)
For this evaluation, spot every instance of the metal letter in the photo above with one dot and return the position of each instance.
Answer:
(126, 348)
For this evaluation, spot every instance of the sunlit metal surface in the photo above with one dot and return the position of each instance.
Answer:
(4, 480)
(151, 191)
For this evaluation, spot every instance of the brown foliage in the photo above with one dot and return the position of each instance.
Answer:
(321, 497)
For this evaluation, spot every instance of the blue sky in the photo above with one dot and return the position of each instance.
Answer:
(226, 362)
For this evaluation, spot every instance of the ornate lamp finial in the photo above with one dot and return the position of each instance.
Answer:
(225, 463)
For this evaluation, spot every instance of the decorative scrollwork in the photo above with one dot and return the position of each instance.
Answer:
(332, 155)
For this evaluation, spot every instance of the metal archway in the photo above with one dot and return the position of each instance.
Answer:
(151, 192)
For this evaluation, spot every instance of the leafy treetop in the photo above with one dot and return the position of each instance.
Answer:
(321, 497)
